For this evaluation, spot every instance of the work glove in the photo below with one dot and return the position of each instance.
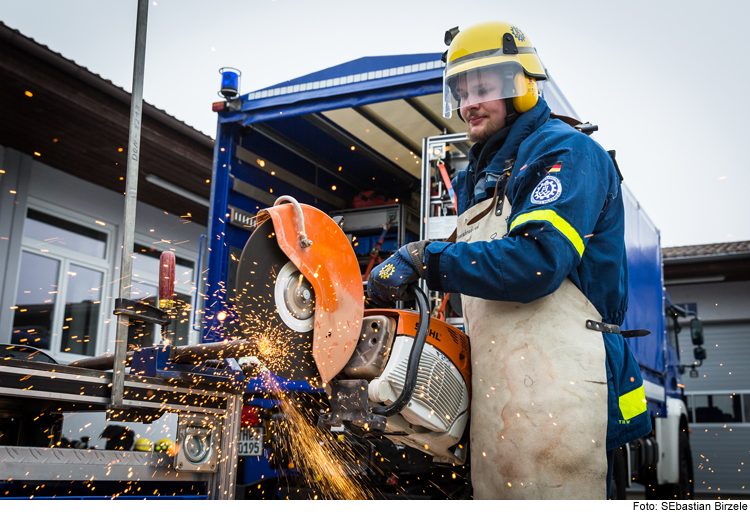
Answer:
(388, 281)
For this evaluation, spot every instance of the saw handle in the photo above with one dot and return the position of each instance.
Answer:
(304, 242)
(415, 355)
(166, 279)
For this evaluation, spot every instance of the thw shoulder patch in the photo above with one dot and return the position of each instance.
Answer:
(549, 189)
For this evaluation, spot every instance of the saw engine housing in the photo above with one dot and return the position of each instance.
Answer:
(398, 373)
(435, 417)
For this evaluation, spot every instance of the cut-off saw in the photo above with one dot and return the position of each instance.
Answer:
(397, 373)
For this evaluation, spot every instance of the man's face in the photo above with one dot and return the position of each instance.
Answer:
(483, 119)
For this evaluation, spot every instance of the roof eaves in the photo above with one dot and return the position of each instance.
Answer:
(42, 52)
(705, 258)
(707, 252)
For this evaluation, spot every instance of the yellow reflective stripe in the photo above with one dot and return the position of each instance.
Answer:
(633, 403)
(548, 215)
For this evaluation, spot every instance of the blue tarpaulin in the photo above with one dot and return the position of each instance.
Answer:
(355, 83)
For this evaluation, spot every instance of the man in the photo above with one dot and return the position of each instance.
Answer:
(539, 258)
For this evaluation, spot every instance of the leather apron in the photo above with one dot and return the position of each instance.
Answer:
(539, 386)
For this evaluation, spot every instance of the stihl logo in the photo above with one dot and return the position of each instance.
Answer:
(433, 334)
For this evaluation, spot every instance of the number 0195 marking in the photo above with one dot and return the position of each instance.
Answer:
(251, 441)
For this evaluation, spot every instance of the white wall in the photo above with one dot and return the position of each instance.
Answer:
(62, 189)
(14, 187)
(49, 186)
(717, 301)
(40, 186)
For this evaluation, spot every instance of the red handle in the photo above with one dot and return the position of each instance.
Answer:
(166, 279)
(448, 186)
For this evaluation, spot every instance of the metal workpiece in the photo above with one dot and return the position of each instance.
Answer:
(188, 354)
(58, 464)
(103, 362)
(219, 350)
(211, 367)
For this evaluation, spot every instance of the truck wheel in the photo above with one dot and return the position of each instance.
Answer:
(687, 482)
(619, 475)
(684, 489)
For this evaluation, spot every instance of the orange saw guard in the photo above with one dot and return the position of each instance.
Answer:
(331, 267)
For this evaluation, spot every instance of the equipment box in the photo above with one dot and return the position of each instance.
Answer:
(378, 230)
(371, 220)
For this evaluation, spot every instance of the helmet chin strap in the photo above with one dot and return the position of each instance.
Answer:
(511, 114)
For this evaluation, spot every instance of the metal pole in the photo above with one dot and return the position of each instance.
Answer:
(225, 478)
(131, 197)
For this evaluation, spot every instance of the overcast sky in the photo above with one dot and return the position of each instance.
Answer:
(666, 81)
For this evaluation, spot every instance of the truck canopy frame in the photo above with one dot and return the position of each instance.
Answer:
(324, 138)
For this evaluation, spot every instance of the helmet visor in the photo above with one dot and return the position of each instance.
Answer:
(479, 85)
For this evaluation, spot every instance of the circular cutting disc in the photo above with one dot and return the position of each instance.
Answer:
(276, 307)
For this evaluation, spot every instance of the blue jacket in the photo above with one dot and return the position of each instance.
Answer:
(567, 220)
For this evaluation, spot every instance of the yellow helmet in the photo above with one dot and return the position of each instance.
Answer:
(142, 444)
(489, 61)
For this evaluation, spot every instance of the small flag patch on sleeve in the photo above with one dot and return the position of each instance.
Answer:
(556, 167)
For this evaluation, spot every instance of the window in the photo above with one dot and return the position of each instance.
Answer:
(145, 288)
(81, 318)
(718, 408)
(673, 328)
(61, 233)
(63, 271)
(35, 301)
(235, 254)
(146, 264)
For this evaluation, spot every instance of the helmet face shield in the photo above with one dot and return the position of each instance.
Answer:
(482, 84)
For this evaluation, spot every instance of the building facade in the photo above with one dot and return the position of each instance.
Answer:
(62, 169)
(713, 281)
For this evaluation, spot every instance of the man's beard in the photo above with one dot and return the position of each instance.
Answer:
(486, 132)
(481, 136)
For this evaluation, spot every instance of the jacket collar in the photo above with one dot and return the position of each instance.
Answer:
(502, 146)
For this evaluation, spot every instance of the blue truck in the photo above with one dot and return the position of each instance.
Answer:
(362, 141)
(661, 462)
